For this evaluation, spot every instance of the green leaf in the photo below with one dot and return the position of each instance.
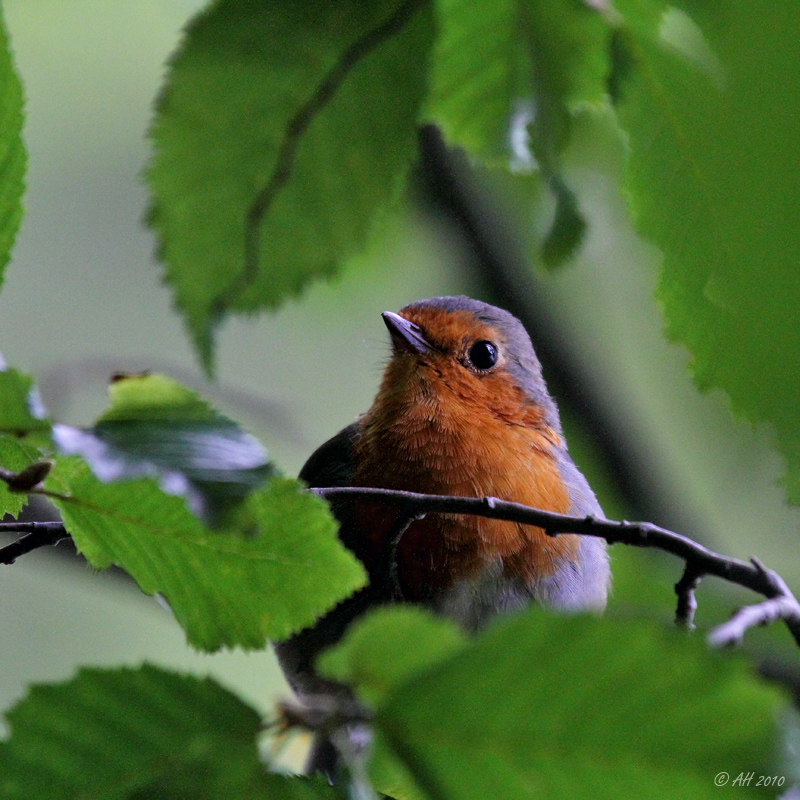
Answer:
(475, 78)
(282, 130)
(568, 41)
(547, 706)
(138, 733)
(710, 109)
(272, 575)
(21, 410)
(23, 431)
(12, 151)
(15, 455)
(569, 46)
(360, 659)
(508, 77)
(157, 427)
(568, 226)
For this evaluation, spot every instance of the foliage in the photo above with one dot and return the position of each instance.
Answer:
(271, 566)
(268, 575)
(311, 112)
(545, 720)
(280, 138)
(723, 209)
(12, 151)
(21, 426)
(688, 86)
(155, 426)
(138, 733)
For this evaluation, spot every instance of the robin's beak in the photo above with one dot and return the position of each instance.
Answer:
(406, 336)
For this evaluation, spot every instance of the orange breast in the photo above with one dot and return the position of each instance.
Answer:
(443, 443)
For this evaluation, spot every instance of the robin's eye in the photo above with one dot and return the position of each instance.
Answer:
(483, 354)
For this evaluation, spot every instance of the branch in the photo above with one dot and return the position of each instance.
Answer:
(700, 561)
(38, 534)
(780, 604)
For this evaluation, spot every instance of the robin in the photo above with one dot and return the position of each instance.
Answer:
(462, 410)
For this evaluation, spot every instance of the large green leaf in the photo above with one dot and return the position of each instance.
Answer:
(711, 106)
(269, 576)
(281, 131)
(157, 427)
(12, 151)
(546, 706)
(138, 733)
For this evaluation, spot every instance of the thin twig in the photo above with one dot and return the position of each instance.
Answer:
(768, 611)
(296, 129)
(687, 602)
(700, 560)
(781, 605)
(322, 713)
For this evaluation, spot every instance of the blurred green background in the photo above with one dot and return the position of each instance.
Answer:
(82, 298)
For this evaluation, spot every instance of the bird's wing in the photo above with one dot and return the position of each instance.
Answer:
(331, 464)
(581, 497)
(586, 587)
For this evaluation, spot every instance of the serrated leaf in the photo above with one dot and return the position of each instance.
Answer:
(280, 133)
(710, 107)
(12, 151)
(272, 575)
(138, 733)
(157, 427)
(546, 706)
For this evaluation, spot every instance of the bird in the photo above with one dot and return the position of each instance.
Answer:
(462, 410)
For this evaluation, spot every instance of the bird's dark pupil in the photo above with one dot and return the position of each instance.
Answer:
(483, 355)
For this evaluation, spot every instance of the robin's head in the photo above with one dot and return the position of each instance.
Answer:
(455, 349)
